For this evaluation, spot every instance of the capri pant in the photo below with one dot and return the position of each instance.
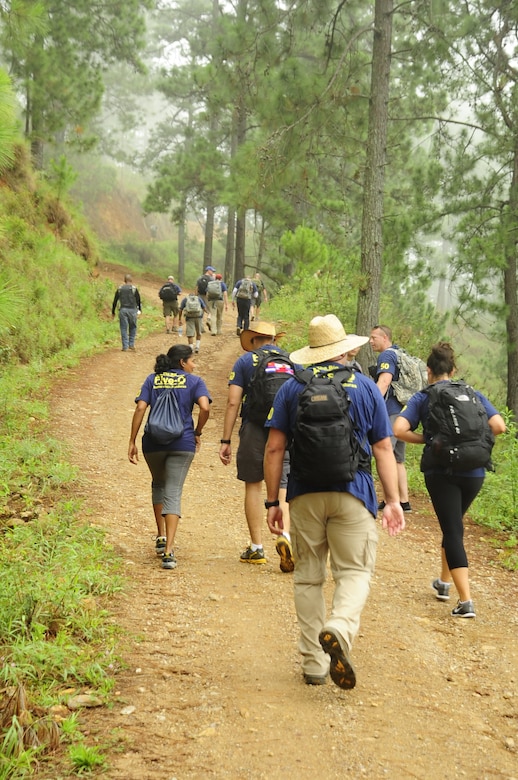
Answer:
(451, 497)
(168, 471)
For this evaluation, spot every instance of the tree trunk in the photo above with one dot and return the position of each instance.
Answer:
(181, 248)
(240, 136)
(230, 275)
(209, 235)
(372, 219)
(240, 242)
(510, 291)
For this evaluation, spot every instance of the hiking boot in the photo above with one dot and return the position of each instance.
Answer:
(169, 561)
(238, 331)
(252, 556)
(442, 590)
(160, 545)
(315, 679)
(341, 671)
(405, 506)
(464, 609)
(284, 549)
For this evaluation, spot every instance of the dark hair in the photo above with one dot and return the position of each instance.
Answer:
(386, 330)
(441, 359)
(173, 358)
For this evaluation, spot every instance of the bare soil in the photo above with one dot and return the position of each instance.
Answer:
(213, 686)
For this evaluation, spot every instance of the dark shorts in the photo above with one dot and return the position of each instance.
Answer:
(250, 455)
(170, 308)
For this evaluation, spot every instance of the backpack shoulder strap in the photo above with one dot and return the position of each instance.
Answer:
(304, 376)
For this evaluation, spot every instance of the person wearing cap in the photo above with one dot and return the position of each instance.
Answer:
(252, 441)
(337, 519)
(201, 289)
(216, 306)
(168, 294)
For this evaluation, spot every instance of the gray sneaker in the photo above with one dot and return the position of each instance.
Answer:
(442, 590)
(160, 545)
(464, 609)
(169, 561)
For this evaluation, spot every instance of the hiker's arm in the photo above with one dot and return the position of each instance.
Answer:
(273, 461)
(136, 422)
(235, 394)
(384, 381)
(393, 519)
(497, 424)
(401, 430)
(203, 416)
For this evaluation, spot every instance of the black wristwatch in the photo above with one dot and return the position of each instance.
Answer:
(268, 504)
(197, 433)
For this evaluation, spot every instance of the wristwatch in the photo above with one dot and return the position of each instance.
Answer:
(268, 504)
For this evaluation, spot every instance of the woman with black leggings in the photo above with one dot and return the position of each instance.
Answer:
(451, 492)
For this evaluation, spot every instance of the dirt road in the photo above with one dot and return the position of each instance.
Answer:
(213, 686)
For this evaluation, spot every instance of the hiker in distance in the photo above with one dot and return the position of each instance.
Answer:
(169, 462)
(261, 354)
(454, 461)
(192, 308)
(334, 420)
(217, 301)
(128, 298)
(168, 294)
(201, 288)
(386, 371)
(243, 295)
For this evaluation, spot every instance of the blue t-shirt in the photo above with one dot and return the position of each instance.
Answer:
(416, 411)
(188, 388)
(387, 363)
(370, 415)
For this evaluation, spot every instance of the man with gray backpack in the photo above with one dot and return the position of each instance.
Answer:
(244, 292)
(192, 308)
(398, 376)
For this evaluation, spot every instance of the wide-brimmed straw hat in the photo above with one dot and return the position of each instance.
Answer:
(327, 340)
(258, 329)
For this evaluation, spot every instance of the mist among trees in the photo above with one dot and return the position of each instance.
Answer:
(385, 134)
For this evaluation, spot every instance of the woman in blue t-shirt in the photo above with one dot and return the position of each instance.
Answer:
(451, 492)
(170, 463)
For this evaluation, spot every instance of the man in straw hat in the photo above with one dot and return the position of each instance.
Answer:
(337, 518)
(252, 441)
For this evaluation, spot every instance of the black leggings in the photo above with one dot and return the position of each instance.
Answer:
(451, 497)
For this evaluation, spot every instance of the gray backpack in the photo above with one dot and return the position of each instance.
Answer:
(214, 290)
(245, 289)
(193, 307)
(412, 375)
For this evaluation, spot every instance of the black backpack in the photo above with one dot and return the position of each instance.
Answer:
(168, 292)
(457, 422)
(273, 369)
(325, 450)
(202, 283)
